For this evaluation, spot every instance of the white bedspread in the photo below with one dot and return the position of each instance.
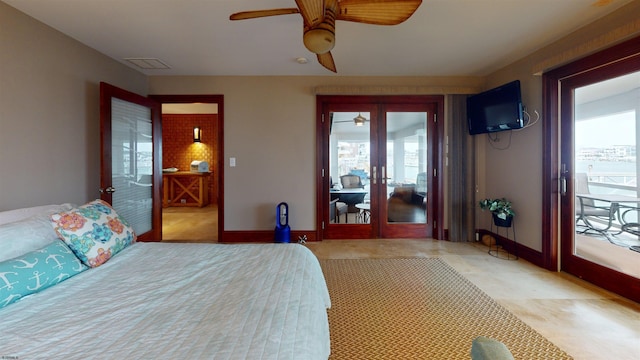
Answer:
(179, 301)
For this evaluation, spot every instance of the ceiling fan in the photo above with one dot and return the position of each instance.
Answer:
(357, 121)
(320, 17)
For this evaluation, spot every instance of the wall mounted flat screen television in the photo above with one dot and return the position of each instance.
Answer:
(497, 109)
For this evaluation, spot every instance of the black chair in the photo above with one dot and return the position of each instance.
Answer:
(588, 212)
(351, 182)
(337, 208)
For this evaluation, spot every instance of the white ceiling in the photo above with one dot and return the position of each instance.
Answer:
(196, 37)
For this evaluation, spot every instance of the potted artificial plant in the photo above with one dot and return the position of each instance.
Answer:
(500, 210)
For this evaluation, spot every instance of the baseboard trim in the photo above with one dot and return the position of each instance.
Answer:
(267, 236)
(263, 236)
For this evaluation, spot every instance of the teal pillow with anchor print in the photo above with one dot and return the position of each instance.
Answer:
(36, 271)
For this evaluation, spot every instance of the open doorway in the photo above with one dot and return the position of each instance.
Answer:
(192, 170)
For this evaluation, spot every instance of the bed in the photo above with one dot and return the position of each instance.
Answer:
(170, 300)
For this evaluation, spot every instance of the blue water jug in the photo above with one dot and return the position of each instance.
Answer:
(283, 231)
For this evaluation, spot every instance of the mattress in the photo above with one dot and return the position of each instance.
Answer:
(183, 301)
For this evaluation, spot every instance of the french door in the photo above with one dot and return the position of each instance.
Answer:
(599, 123)
(130, 178)
(377, 166)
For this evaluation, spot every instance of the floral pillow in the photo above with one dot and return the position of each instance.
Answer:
(36, 271)
(94, 231)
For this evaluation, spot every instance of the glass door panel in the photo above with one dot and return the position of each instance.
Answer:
(130, 176)
(350, 168)
(405, 172)
(132, 163)
(607, 195)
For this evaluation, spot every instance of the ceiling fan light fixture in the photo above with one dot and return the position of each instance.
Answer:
(319, 40)
(359, 120)
(320, 19)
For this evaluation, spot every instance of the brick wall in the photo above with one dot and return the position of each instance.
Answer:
(179, 150)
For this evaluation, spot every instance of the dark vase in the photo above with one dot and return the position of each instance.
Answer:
(502, 222)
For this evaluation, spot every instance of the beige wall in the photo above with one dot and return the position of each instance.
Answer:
(49, 129)
(516, 173)
(269, 127)
(49, 112)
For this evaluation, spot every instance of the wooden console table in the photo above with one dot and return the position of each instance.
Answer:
(190, 187)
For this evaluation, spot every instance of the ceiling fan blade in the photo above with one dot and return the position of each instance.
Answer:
(326, 60)
(262, 13)
(377, 12)
(312, 11)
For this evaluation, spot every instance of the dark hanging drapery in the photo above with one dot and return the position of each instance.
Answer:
(461, 172)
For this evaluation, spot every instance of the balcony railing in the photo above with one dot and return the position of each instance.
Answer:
(615, 183)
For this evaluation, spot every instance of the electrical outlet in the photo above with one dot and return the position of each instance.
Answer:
(183, 201)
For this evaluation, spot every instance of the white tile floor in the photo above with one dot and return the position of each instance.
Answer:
(585, 321)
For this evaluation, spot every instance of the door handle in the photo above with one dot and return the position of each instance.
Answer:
(384, 176)
(563, 180)
(375, 175)
(108, 190)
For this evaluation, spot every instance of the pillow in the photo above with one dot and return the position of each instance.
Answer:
(484, 348)
(36, 271)
(94, 231)
(24, 213)
(20, 237)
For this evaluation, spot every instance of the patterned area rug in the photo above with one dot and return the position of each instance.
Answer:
(418, 308)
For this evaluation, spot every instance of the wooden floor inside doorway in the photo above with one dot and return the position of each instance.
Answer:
(190, 224)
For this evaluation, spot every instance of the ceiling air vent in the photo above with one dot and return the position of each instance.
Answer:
(148, 63)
